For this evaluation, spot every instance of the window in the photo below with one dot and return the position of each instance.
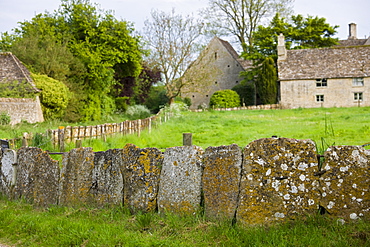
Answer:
(322, 82)
(320, 98)
(358, 82)
(216, 55)
(358, 96)
(215, 82)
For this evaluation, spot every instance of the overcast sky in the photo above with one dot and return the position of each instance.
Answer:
(336, 12)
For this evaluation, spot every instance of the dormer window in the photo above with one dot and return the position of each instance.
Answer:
(322, 82)
(358, 82)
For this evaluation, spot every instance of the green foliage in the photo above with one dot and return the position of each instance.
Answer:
(302, 33)
(54, 96)
(83, 46)
(157, 99)
(225, 99)
(266, 82)
(246, 93)
(16, 89)
(121, 103)
(4, 118)
(137, 112)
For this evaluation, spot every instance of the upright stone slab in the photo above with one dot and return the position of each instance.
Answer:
(7, 159)
(181, 180)
(141, 170)
(345, 182)
(277, 180)
(107, 179)
(221, 180)
(76, 180)
(37, 177)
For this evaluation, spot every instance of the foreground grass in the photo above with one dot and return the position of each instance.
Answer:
(23, 225)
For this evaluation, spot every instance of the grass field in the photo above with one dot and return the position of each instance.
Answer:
(334, 126)
(23, 225)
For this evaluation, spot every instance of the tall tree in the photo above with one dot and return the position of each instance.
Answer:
(267, 82)
(172, 40)
(241, 18)
(299, 33)
(85, 47)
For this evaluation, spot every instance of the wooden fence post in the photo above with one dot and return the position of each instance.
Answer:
(78, 143)
(187, 139)
(61, 138)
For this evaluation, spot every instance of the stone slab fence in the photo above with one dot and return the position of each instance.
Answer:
(266, 181)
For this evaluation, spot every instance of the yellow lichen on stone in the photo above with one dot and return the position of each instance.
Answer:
(278, 180)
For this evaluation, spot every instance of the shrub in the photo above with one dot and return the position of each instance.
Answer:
(54, 96)
(4, 118)
(137, 112)
(225, 98)
(246, 93)
(157, 98)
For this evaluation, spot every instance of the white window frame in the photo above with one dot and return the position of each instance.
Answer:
(320, 98)
(322, 82)
(358, 96)
(358, 82)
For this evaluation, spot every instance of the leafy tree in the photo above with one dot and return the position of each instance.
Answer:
(241, 18)
(225, 98)
(302, 33)
(266, 82)
(172, 39)
(246, 93)
(54, 96)
(157, 98)
(83, 46)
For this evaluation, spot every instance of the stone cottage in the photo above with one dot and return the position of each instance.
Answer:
(217, 68)
(325, 77)
(14, 73)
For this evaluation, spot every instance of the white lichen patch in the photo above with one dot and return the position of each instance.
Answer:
(268, 172)
(302, 166)
(286, 196)
(279, 215)
(311, 202)
(250, 177)
(343, 169)
(331, 205)
(353, 216)
(284, 167)
(301, 187)
(354, 186)
(276, 184)
(302, 177)
(294, 189)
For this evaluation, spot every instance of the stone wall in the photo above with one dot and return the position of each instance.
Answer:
(22, 109)
(268, 180)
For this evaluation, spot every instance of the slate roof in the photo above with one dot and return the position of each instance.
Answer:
(12, 69)
(246, 64)
(335, 62)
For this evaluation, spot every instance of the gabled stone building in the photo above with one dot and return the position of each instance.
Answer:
(217, 68)
(326, 77)
(15, 74)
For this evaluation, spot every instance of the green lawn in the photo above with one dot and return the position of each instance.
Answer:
(334, 126)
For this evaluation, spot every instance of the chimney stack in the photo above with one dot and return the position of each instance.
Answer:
(281, 48)
(352, 31)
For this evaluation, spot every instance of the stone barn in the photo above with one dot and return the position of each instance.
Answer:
(14, 75)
